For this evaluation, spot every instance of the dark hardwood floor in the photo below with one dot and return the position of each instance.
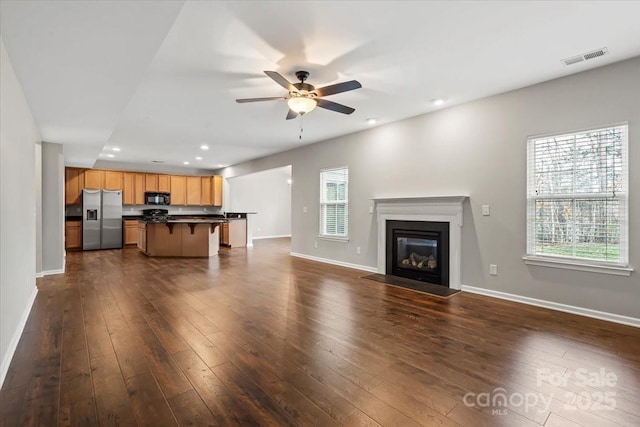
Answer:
(256, 337)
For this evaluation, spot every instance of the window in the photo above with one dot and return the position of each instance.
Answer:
(334, 202)
(577, 197)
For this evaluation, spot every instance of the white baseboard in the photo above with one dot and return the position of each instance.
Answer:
(271, 237)
(334, 262)
(13, 344)
(51, 272)
(587, 312)
(39, 275)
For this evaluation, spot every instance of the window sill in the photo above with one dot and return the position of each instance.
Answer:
(576, 265)
(344, 239)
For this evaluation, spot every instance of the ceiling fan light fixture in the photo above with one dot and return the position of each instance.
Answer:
(302, 104)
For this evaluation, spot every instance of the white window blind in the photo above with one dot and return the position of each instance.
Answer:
(577, 196)
(334, 202)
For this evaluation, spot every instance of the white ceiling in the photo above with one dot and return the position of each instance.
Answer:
(159, 79)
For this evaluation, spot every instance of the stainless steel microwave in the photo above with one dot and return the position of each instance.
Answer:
(155, 198)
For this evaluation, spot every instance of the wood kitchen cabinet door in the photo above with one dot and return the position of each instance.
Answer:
(178, 190)
(194, 190)
(151, 182)
(130, 231)
(94, 179)
(73, 185)
(73, 235)
(207, 199)
(112, 180)
(217, 190)
(138, 184)
(164, 183)
(128, 188)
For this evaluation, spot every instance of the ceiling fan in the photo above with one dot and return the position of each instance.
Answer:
(304, 97)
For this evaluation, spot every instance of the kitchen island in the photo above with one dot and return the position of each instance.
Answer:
(196, 237)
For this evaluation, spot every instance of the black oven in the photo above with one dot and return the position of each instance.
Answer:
(155, 198)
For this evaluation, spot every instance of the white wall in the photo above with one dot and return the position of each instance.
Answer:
(267, 193)
(478, 149)
(18, 138)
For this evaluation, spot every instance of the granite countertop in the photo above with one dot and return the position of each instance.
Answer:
(189, 221)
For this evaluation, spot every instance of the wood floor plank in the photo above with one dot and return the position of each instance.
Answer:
(256, 337)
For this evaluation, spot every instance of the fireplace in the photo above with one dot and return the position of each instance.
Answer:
(436, 209)
(418, 250)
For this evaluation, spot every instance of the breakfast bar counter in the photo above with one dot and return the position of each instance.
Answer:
(195, 237)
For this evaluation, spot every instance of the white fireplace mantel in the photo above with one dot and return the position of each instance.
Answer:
(439, 208)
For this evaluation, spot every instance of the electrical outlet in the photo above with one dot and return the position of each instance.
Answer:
(486, 210)
(358, 250)
(316, 244)
(304, 209)
(493, 269)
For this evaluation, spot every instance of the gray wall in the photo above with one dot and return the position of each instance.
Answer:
(269, 195)
(38, 178)
(18, 137)
(52, 208)
(477, 149)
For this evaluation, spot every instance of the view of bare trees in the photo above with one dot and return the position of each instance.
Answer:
(579, 185)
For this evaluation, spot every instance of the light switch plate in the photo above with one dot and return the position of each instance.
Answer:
(486, 211)
(493, 269)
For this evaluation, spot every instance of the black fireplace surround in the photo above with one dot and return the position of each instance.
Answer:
(418, 250)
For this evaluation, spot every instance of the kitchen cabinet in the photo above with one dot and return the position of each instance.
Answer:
(164, 184)
(178, 190)
(205, 183)
(73, 235)
(130, 230)
(217, 190)
(93, 179)
(151, 182)
(128, 188)
(112, 180)
(142, 236)
(73, 185)
(194, 190)
(234, 233)
(138, 186)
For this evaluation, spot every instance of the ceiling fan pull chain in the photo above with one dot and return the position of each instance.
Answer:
(301, 126)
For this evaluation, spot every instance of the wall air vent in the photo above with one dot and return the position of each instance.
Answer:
(585, 56)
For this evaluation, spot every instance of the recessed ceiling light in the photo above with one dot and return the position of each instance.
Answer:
(186, 163)
(371, 121)
(222, 166)
(111, 155)
(115, 149)
(438, 102)
(198, 158)
(204, 147)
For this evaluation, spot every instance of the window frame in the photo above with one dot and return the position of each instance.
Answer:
(574, 262)
(323, 202)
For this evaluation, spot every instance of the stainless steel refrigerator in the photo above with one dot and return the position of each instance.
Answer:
(101, 219)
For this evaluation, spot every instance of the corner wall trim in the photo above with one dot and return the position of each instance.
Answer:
(13, 344)
(51, 272)
(334, 262)
(587, 312)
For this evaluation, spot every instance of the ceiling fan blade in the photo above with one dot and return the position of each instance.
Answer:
(273, 98)
(277, 77)
(338, 88)
(334, 106)
(291, 114)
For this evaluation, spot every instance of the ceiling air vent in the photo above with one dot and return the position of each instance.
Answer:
(157, 161)
(585, 56)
